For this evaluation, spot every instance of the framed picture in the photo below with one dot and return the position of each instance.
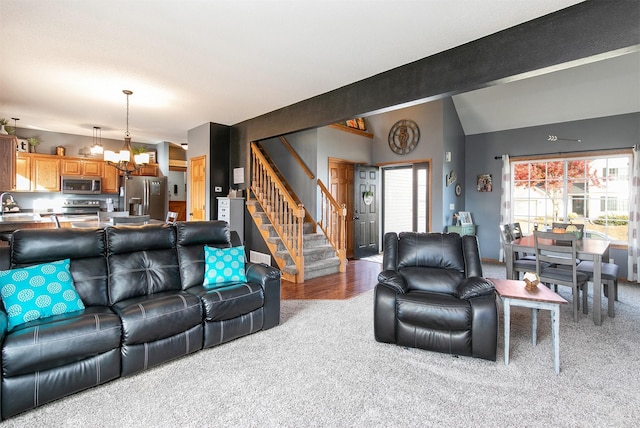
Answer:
(484, 183)
(23, 145)
(352, 123)
(465, 218)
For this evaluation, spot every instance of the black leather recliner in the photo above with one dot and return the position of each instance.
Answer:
(431, 295)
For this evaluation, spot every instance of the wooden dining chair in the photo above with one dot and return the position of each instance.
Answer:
(521, 263)
(559, 251)
(609, 275)
(516, 233)
(131, 219)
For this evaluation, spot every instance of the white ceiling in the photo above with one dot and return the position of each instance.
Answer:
(65, 63)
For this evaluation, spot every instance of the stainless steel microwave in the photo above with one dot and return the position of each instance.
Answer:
(81, 185)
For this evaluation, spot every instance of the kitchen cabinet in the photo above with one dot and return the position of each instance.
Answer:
(82, 167)
(23, 172)
(45, 173)
(147, 170)
(36, 172)
(110, 179)
(231, 210)
(8, 144)
(40, 172)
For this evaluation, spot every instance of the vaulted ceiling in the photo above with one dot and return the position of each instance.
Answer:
(65, 63)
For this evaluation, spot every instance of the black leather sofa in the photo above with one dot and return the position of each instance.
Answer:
(431, 295)
(144, 304)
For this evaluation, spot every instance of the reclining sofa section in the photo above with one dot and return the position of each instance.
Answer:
(144, 304)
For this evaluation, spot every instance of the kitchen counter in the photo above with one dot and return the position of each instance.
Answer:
(15, 221)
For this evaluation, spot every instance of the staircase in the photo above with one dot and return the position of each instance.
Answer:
(300, 251)
(319, 256)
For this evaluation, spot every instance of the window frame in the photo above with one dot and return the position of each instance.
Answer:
(569, 198)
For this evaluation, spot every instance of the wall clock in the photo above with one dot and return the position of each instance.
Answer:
(458, 190)
(404, 136)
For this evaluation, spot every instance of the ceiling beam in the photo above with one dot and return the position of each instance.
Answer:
(585, 32)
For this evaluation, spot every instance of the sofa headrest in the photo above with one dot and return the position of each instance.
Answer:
(434, 250)
(43, 245)
(148, 237)
(213, 233)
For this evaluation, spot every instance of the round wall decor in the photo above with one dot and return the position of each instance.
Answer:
(458, 190)
(404, 136)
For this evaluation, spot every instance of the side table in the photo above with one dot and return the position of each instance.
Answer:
(462, 230)
(513, 293)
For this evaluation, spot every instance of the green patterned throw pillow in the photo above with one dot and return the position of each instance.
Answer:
(223, 266)
(38, 291)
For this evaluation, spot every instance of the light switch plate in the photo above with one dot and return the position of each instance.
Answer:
(452, 207)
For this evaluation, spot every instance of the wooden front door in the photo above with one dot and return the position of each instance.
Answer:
(197, 190)
(341, 188)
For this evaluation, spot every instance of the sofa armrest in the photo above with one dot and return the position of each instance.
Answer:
(484, 330)
(474, 286)
(393, 280)
(4, 323)
(269, 278)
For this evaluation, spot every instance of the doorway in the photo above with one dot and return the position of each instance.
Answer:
(366, 211)
(197, 188)
(341, 188)
(406, 198)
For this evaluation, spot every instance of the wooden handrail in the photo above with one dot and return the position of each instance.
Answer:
(297, 158)
(333, 223)
(264, 164)
(282, 210)
(287, 215)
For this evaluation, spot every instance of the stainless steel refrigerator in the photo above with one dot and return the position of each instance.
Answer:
(145, 195)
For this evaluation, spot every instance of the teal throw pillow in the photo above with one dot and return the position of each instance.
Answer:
(38, 291)
(223, 266)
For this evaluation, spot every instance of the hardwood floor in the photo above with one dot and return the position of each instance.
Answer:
(361, 276)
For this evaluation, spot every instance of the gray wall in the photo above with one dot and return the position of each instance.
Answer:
(315, 147)
(622, 131)
(440, 131)
(305, 144)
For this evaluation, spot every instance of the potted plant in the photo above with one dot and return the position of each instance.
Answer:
(5, 129)
(33, 143)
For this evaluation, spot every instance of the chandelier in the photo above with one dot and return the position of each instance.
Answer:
(97, 148)
(123, 160)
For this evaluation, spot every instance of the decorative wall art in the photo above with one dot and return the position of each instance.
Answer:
(465, 218)
(357, 123)
(404, 136)
(484, 183)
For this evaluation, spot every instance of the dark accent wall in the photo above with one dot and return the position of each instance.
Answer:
(219, 162)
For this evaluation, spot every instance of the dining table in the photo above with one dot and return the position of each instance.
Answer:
(596, 250)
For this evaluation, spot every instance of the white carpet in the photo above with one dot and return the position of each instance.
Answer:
(322, 367)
